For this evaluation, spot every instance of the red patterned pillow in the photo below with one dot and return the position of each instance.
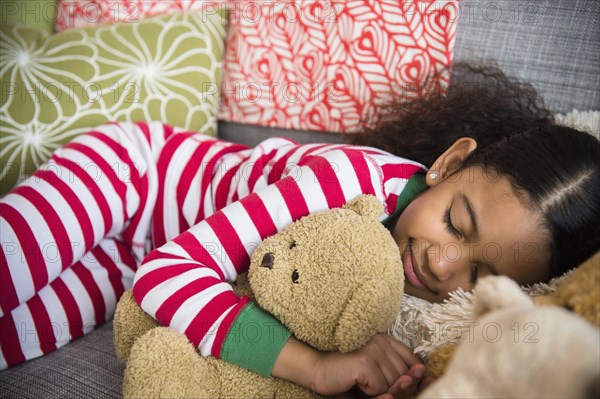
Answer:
(79, 13)
(327, 65)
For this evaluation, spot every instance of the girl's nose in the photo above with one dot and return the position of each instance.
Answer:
(446, 261)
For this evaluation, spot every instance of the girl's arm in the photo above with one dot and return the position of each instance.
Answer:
(382, 363)
(185, 283)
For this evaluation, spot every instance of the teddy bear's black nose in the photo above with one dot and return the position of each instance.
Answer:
(268, 260)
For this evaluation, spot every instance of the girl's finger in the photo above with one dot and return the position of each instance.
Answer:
(406, 388)
(393, 367)
(390, 363)
(410, 359)
(373, 383)
(401, 385)
(417, 372)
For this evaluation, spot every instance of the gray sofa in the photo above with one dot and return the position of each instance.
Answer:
(555, 44)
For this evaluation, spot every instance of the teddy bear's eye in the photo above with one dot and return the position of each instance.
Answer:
(295, 276)
(292, 244)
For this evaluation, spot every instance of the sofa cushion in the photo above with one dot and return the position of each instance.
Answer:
(252, 135)
(54, 87)
(86, 368)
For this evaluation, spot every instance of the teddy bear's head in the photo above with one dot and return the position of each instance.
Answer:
(334, 278)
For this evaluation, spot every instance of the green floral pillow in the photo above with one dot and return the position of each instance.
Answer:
(54, 87)
(41, 13)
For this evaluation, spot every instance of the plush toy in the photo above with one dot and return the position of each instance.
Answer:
(333, 278)
(580, 292)
(519, 347)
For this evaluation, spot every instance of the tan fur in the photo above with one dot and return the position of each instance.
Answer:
(130, 323)
(351, 278)
(438, 360)
(580, 293)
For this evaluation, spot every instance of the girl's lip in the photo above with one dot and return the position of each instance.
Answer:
(411, 272)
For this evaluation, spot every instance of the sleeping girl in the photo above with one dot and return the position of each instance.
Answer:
(473, 183)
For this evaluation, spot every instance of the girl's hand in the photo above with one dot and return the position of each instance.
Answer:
(374, 369)
(408, 384)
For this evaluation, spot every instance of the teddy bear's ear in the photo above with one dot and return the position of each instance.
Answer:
(371, 309)
(498, 292)
(365, 205)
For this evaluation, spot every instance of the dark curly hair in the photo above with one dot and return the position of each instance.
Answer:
(480, 102)
(555, 169)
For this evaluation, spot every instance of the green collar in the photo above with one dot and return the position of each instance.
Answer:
(414, 186)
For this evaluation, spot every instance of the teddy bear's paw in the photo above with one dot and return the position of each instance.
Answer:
(242, 286)
(163, 364)
(130, 323)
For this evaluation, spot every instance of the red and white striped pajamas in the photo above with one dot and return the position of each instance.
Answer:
(74, 233)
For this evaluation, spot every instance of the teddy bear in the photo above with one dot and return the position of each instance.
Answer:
(580, 292)
(333, 278)
(524, 346)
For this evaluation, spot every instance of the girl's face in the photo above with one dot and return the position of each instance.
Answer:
(468, 225)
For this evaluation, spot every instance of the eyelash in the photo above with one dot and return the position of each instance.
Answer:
(454, 231)
(474, 273)
(448, 221)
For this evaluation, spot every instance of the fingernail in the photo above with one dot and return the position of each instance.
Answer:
(419, 373)
(404, 385)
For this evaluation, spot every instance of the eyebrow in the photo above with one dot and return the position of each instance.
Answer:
(472, 214)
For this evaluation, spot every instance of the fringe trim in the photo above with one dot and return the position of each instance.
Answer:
(424, 326)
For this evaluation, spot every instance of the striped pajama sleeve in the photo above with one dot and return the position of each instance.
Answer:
(184, 284)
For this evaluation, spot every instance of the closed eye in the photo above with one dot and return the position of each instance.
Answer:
(447, 220)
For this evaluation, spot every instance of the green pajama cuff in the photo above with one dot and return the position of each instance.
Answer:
(254, 340)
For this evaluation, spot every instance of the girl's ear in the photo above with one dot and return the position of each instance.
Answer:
(450, 160)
